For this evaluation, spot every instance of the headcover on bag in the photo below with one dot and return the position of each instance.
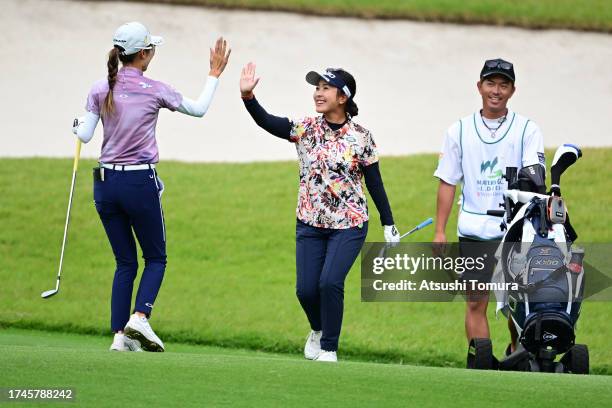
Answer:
(532, 178)
(565, 156)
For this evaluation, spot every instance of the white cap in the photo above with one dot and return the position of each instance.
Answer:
(133, 37)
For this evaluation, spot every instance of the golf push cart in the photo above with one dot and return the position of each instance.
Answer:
(545, 272)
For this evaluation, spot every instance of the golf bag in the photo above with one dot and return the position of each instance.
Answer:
(544, 269)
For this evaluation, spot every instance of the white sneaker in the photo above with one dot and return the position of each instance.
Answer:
(327, 357)
(119, 343)
(312, 348)
(132, 345)
(122, 343)
(139, 329)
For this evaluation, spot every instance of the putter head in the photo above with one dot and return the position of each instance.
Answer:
(48, 293)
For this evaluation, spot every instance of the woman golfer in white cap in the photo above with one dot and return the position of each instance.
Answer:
(332, 215)
(127, 189)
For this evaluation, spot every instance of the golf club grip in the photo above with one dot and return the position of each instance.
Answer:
(496, 213)
(77, 155)
(424, 223)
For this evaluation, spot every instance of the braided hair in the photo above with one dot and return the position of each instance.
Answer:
(114, 56)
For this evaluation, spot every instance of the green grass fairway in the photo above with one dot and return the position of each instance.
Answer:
(230, 279)
(593, 15)
(193, 376)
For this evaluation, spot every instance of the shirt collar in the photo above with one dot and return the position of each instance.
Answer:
(130, 71)
(326, 124)
(509, 114)
(331, 134)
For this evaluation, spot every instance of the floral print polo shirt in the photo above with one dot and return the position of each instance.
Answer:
(331, 194)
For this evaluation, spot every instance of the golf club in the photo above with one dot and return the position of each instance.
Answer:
(47, 294)
(422, 225)
(418, 227)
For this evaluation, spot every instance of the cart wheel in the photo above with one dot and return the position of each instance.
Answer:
(480, 354)
(534, 366)
(576, 360)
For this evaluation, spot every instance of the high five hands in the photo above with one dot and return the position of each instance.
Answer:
(248, 82)
(219, 57)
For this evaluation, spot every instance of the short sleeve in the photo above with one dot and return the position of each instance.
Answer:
(93, 100)
(169, 97)
(449, 164)
(533, 146)
(369, 154)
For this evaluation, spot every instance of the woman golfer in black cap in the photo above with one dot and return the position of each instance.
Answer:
(332, 214)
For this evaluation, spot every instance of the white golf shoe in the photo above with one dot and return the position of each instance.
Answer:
(312, 348)
(119, 343)
(327, 357)
(132, 345)
(139, 330)
(122, 343)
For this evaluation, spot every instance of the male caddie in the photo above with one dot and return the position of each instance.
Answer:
(476, 151)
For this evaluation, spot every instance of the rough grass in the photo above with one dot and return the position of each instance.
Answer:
(591, 15)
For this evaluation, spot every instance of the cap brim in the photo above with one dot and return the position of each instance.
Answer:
(157, 40)
(313, 78)
(498, 72)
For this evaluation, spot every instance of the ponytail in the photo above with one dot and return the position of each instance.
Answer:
(351, 108)
(113, 67)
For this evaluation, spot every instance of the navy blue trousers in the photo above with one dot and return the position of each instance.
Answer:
(323, 259)
(129, 203)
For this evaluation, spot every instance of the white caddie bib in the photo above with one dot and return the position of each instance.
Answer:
(483, 161)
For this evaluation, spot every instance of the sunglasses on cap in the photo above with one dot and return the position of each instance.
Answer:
(499, 64)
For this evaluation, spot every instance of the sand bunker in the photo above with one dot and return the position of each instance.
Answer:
(413, 79)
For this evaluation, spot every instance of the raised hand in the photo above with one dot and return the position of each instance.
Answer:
(219, 57)
(248, 82)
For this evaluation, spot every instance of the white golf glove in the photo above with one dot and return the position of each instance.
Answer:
(392, 235)
(77, 122)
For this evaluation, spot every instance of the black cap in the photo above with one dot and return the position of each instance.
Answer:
(335, 77)
(498, 66)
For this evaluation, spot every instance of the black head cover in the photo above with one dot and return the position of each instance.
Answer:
(565, 156)
(533, 179)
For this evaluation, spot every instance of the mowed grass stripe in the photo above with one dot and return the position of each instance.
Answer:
(204, 377)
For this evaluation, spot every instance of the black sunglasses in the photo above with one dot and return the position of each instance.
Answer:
(498, 64)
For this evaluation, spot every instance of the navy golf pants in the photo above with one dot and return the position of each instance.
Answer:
(129, 203)
(323, 259)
